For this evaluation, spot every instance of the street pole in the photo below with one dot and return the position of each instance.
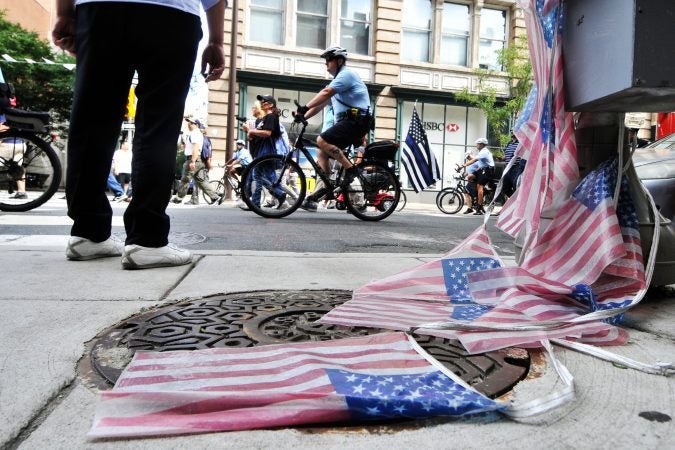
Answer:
(231, 96)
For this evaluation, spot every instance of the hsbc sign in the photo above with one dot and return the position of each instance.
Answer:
(440, 126)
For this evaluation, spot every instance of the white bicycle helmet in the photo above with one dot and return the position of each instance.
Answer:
(481, 141)
(334, 52)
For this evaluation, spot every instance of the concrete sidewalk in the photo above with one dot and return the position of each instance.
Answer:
(51, 307)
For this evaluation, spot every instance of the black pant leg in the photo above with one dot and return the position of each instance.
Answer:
(165, 63)
(103, 77)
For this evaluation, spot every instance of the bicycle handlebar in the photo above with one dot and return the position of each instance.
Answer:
(299, 118)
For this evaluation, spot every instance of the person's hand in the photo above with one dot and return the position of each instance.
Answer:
(213, 58)
(302, 110)
(63, 33)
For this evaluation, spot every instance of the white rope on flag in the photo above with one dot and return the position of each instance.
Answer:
(547, 402)
(658, 368)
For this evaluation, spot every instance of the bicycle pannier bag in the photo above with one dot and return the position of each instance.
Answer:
(381, 151)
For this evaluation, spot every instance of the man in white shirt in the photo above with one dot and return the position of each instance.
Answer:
(193, 168)
(113, 40)
(484, 172)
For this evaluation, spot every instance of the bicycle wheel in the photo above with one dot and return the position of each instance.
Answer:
(218, 187)
(267, 175)
(26, 157)
(451, 202)
(401, 201)
(374, 194)
(441, 193)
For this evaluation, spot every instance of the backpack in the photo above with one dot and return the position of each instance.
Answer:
(281, 144)
(7, 97)
(206, 152)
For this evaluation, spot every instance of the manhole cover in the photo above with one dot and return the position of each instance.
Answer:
(180, 238)
(269, 317)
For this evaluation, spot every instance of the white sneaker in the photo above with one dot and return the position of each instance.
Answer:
(82, 249)
(139, 257)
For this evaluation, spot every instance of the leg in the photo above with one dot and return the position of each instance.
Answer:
(327, 149)
(165, 62)
(101, 90)
(184, 181)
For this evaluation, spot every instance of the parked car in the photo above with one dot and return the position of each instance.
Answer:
(655, 165)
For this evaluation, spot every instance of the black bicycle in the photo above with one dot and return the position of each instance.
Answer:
(451, 199)
(373, 195)
(30, 168)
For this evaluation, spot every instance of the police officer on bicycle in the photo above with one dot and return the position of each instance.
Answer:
(351, 103)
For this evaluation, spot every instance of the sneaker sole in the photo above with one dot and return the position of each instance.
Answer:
(131, 265)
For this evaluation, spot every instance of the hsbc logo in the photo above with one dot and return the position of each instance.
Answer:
(440, 126)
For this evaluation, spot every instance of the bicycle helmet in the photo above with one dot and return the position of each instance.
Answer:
(481, 141)
(335, 52)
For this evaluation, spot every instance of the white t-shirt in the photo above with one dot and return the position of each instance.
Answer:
(194, 136)
(122, 160)
(189, 6)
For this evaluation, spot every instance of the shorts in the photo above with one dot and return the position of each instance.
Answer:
(347, 132)
(483, 176)
(239, 169)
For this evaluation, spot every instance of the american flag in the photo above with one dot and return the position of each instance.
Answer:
(417, 157)
(589, 237)
(428, 293)
(375, 377)
(469, 295)
(544, 128)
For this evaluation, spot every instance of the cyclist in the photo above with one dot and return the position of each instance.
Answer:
(484, 172)
(349, 98)
(240, 159)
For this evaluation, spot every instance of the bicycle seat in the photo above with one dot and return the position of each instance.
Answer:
(21, 119)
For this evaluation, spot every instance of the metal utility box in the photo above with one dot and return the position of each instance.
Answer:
(619, 55)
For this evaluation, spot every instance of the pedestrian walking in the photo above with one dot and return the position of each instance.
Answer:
(194, 168)
(112, 41)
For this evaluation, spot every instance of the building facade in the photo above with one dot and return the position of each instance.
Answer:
(408, 52)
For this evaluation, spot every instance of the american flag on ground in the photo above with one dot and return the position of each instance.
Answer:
(469, 295)
(431, 292)
(417, 157)
(589, 259)
(368, 378)
(545, 130)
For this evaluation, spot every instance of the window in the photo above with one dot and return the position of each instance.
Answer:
(312, 21)
(355, 18)
(455, 34)
(417, 15)
(451, 131)
(267, 18)
(492, 38)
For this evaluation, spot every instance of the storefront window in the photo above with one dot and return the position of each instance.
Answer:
(492, 38)
(451, 131)
(455, 34)
(355, 25)
(267, 18)
(416, 36)
(312, 19)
